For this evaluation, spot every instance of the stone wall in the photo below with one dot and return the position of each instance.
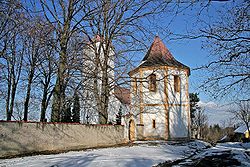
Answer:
(17, 138)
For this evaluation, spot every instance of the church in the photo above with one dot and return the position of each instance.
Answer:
(156, 107)
(159, 107)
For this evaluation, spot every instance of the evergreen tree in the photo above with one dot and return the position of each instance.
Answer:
(194, 99)
(67, 115)
(119, 116)
(76, 109)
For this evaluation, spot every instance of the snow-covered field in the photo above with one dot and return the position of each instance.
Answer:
(140, 155)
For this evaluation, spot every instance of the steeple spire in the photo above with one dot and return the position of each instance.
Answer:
(159, 55)
(158, 50)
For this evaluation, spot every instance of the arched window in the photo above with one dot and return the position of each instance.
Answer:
(177, 83)
(152, 82)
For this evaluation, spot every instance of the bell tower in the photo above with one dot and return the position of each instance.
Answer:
(159, 95)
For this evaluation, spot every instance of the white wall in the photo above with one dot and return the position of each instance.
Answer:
(114, 107)
(157, 113)
(177, 101)
(90, 108)
(178, 122)
(175, 97)
(157, 97)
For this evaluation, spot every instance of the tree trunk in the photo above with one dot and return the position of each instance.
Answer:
(56, 103)
(247, 124)
(58, 106)
(43, 103)
(8, 99)
(26, 103)
(13, 94)
(96, 90)
(59, 90)
(105, 87)
(76, 109)
(104, 98)
(43, 106)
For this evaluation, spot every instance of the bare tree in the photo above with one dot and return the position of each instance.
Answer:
(9, 12)
(200, 121)
(66, 17)
(227, 39)
(46, 69)
(118, 24)
(47, 72)
(111, 30)
(13, 62)
(242, 112)
(24, 33)
(36, 36)
(12, 47)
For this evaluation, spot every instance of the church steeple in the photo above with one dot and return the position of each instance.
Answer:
(159, 55)
(159, 95)
(158, 50)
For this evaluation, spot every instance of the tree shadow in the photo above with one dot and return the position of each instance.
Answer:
(74, 161)
(136, 162)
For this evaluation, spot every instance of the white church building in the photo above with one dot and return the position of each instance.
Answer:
(159, 97)
(157, 104)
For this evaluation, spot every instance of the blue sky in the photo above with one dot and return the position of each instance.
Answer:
(190, 53)
(187, 51)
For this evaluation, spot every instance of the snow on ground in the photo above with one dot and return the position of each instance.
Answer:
(239, 151)
(142, 154)
(234, 145)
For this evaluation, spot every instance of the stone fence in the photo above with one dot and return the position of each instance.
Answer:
(20, 138)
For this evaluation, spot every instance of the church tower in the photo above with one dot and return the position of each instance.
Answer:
(159, 96)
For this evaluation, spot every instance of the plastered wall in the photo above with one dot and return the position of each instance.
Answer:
(21, 138)
(168, 108)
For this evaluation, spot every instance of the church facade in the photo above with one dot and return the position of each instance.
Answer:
(157, 104)
(159, 95)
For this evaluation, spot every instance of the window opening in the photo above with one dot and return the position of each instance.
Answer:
(177, 85)
(152, 83)
(154, 125)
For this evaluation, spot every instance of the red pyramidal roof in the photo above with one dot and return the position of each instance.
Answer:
(159, 55)
(158, 49)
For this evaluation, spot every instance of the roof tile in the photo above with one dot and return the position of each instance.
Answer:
(159, 55)
(122, 94)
